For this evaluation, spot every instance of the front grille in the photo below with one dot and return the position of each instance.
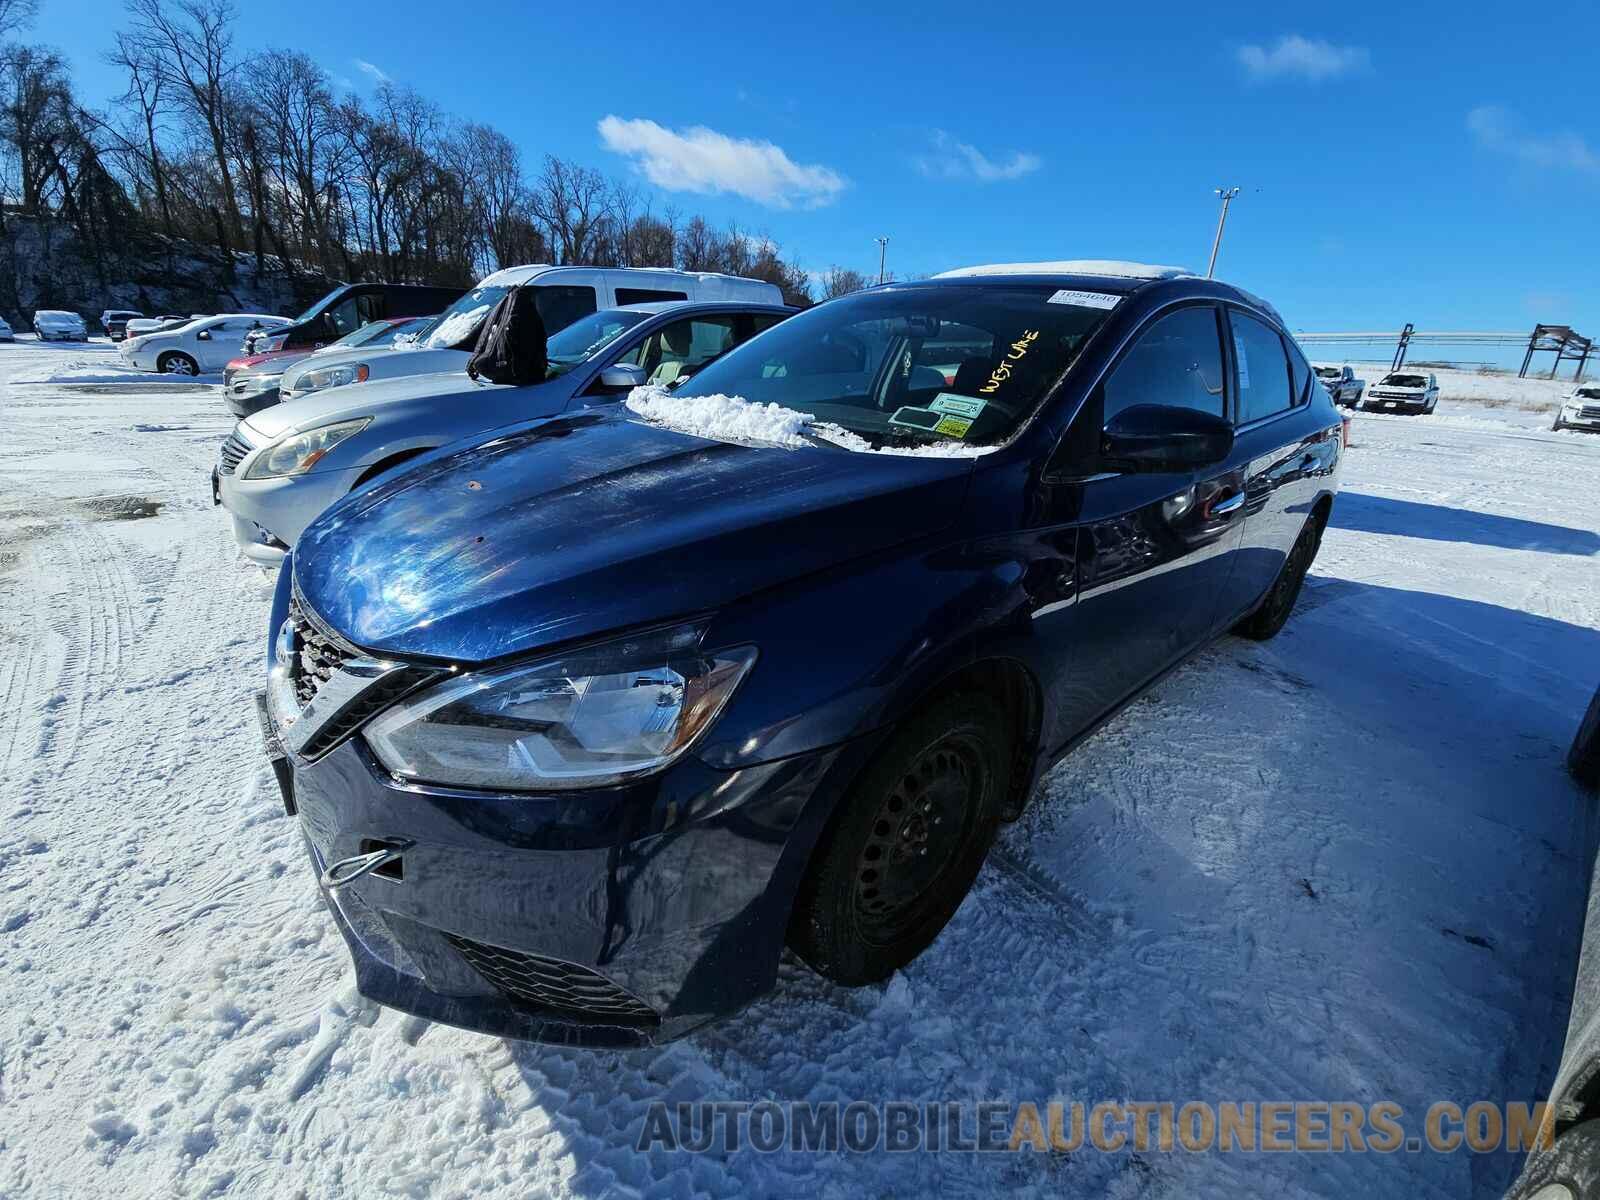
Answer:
(316, 657)
(550, 986)
(1590, 412)
(233, 452)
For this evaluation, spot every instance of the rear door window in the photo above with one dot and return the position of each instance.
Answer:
(646, 296)
(561, 305)
(1260, 369)
(1177, 361)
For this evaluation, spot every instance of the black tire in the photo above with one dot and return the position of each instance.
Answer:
(1572, 1163)
(1274, 609)
(1583, 759)
(1558, 426)
(908, 840)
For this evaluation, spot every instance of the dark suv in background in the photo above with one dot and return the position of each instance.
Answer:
(585, 722)
(346, 309)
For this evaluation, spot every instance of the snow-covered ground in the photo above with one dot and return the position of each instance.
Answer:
(1342, 865)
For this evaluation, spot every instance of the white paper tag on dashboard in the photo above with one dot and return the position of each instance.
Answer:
(1085, 299)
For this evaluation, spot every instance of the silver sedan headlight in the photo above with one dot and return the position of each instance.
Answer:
(591, 718)
(331, 377)
(298, 454)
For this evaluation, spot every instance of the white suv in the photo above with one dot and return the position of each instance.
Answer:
(202, 347)
(566, 294)
(1403, 390)
(1580, 408)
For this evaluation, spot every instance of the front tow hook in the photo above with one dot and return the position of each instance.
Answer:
(348, 870)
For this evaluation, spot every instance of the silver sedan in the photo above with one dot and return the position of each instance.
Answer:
(281, 467)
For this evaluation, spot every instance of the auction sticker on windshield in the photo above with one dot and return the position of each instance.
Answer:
(1085, 299)
(957, 406)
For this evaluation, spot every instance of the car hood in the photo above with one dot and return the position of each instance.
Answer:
(277, 360)
(594, 522)
(360, 400)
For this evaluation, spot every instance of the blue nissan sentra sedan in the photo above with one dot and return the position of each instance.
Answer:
(584, 723)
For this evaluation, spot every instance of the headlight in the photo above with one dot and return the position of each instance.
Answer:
(330, 377)
(298, 454)
(254, 385)
(133, 344)
(588, 719)
(263, 344)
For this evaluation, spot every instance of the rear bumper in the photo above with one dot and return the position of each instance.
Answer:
(617, 917)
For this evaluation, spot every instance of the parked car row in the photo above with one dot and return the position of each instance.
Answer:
(199, 347)
(759, 653)
(1396, 391)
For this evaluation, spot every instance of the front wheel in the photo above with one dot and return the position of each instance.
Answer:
(1557, 427)
(907, 842)
(1265, 622)
(176, 363)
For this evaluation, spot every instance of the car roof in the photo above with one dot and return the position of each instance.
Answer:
(1099, 268)
(663, 306)
(1111, 285)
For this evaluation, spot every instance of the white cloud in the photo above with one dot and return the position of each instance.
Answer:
(1498, 130)
(1304, 58)
(702, 160)
(373, 72)
(952, 159)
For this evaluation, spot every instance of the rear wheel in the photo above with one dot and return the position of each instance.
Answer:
(177, 363)
(907, 842)
(1265, 622)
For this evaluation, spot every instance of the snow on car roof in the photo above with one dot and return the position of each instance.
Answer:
(1109, 267)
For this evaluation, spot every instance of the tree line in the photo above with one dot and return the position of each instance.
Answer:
(259, 153)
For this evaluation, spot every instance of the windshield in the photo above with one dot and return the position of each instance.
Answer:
(318, 306)
(1406, 381)
(460, 321)
(378, 333)
(580, 340)
(951, 364)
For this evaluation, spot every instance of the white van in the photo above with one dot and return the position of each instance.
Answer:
(566, 294)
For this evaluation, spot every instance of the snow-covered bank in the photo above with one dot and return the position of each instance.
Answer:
(1341, 865)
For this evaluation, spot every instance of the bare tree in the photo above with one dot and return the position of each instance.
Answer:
(191, 42)
(572, 203)
(16, 15)
(143, 94)
(841, 281)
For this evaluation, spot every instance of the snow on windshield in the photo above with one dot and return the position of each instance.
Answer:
(734, 419)
(457, 325)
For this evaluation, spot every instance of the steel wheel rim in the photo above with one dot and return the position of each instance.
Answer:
(916, 836)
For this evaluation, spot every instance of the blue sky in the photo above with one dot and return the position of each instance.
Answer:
(1425, 162)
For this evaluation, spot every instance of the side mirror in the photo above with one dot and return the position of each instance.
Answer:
(203, 335)
(621, 376)
(1159, 437)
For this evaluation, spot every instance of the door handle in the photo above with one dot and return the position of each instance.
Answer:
(348, 870)
(1222, 508)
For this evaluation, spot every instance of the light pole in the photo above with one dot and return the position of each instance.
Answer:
(1227, 195)
(883, 250)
